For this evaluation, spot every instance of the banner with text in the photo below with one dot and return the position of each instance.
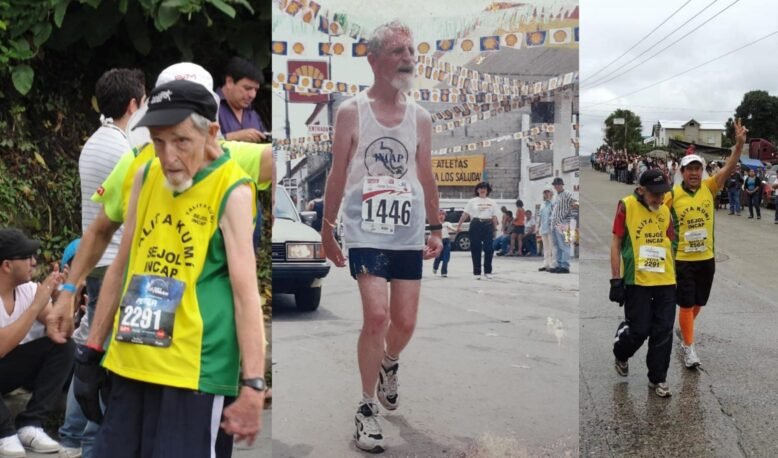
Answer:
(458, 171)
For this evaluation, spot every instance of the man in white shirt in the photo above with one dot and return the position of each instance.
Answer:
(27, 357)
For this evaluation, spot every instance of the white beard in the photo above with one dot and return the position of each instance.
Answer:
(179, 188)
(402, 84)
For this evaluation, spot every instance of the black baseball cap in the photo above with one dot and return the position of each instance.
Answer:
(557, 181)
(172, 102)
(15, 245)
(654, 181)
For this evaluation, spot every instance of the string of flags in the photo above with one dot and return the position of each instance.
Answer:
(326, 22)
(471, 91)
(537, 138)
(564, 36)
(531, 136)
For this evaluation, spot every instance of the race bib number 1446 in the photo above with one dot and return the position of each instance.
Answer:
(386, 203)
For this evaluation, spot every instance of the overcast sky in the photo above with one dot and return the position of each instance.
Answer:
(709, 93)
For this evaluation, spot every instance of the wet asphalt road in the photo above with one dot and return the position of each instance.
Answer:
(491, 371)
(727, 409)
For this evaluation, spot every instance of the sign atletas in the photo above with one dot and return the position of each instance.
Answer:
(458, 170)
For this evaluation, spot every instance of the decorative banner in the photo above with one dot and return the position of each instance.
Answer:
(359, 49)
(332, 24)
(535, 39)
(302, 73)
(540, 171)
(321, 144)
(511, 40)
(458, 171)
(314, 86)
(560, 36)
(278, 47)
(552, 37)
(530, 136)
(491, 43)
(571, 164)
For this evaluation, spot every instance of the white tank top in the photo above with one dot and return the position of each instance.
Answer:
(383, 204)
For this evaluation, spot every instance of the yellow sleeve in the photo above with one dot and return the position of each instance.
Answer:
(669, 199)
(711, 184)
(110, 192)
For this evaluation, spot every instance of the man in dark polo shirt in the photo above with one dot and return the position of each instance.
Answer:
(237, 118)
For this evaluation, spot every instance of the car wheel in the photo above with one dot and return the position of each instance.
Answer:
(307, 299)
(462, 242)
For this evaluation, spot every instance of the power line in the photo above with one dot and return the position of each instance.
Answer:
(666, 108)
(638, 42)
(687, 71)
(606, 78)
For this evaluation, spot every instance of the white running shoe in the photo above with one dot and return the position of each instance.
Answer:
(690, 359)
(11, 447)
(35, 439)
(69, 452)
(368, 435)
(387, 386)
(488, 276)
(661, 389)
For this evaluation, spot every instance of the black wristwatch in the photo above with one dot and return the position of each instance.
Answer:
(254, 383)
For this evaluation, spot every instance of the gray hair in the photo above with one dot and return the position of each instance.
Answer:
(200, 123)
(376, 42)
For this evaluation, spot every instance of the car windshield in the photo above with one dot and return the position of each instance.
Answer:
(284, 208)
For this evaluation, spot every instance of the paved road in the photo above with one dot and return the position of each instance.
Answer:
(727, 409)
(491, 371)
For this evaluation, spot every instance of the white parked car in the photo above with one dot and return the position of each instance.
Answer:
(299, 265)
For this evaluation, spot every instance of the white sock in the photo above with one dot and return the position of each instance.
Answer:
(389, 360)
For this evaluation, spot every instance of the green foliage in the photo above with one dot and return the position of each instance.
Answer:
(51, 54)
(27, 27)
(758, 111)
(627, 134)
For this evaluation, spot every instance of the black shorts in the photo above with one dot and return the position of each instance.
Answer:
(694, 281)
(517, 230)
(388, 264)
(142, 419)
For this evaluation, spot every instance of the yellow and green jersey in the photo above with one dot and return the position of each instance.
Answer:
(177, 236)
(115, 191)
(693, 213)
(646, 248)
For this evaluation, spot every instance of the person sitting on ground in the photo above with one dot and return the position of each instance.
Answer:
(27, 357)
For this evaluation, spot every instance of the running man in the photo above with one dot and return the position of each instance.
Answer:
(642, 239)
(190, 317)
(692, 203)
(382, 171)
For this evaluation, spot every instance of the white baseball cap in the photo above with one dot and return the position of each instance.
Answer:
(688, 159)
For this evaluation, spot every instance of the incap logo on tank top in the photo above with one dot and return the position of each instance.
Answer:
(386, 154)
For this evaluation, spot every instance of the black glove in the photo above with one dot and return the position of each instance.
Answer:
(617, 292)
(88, 381)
